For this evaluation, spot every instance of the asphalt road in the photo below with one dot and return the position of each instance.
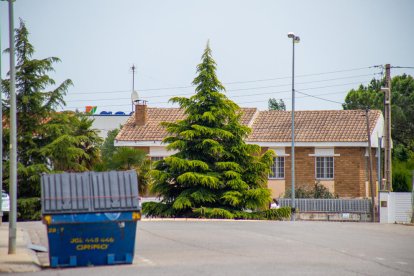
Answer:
(261, 248)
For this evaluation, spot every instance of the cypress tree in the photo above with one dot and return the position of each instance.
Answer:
(215, 172)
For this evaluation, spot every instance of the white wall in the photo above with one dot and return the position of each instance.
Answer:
(107, 123)
(396, 207)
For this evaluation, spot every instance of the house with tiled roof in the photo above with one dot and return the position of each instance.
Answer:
(331, 146)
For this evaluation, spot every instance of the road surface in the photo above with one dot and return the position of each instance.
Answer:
(260, 248)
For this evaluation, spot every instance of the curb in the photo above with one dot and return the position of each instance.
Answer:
(24, 260)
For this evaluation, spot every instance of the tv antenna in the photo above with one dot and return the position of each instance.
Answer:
(134, 94)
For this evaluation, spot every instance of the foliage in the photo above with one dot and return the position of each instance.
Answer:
(125, 158)
(145, 180)
(402, 122)
(214, 168)
(34, 105)
(46, 140)
(402, 174)
(74, 145)
(156, 209)
(317, 191)
(274, 104)
(28, 209)
(277, 214)
(108, 148)
(402, 106)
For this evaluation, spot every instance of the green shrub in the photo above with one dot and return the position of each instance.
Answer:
(162, 210)
(401, 176)
(277, 214)
(28, 209)
(157, 210)
(317, 191)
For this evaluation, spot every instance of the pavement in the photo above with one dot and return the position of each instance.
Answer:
(24, 260)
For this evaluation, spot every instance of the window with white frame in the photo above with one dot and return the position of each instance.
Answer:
(278, 168)
(324, 167)
(155, 158)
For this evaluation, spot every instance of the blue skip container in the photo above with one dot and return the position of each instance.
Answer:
(91, 218)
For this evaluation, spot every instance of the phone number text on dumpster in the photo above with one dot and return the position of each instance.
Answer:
(95, 243)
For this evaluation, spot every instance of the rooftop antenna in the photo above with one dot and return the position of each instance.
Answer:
(134, 94)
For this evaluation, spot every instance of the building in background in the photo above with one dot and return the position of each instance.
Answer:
(331, 145)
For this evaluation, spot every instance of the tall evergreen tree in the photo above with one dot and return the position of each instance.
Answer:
(35, 102)
(215, 173)
(274, 104)
(46, 140)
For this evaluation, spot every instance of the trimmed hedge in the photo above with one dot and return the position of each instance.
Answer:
(161, 210)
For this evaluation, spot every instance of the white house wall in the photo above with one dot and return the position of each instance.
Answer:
(106, 123)
(160, 151)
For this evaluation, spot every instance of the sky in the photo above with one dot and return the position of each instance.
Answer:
(99, 41)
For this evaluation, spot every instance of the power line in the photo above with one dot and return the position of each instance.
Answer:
(243, 89)
(318, 97)
(249, 102)
(226, 83)
(403, 67)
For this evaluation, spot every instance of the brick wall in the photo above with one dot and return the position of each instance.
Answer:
(350, 171)
(304, 167)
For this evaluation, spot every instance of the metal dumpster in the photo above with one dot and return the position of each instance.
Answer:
(90, 217)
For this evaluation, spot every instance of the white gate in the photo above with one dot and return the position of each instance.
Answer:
(396, 207)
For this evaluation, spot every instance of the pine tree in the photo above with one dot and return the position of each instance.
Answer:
(46, 140)
(274, 104)
(215, 173)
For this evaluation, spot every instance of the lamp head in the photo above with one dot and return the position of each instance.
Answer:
(291, 35)
(296, 39)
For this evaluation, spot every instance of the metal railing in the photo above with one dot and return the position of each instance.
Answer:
(304, 205)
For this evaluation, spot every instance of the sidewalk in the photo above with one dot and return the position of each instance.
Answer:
(25, 260)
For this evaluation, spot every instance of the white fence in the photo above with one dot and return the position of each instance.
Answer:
(396, 207)
(316, 205)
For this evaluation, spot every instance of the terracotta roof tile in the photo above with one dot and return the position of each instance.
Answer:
(153, 131)
(313, 126)
(268, 126)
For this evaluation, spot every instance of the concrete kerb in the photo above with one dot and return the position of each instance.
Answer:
(200, 219)
(25, 260)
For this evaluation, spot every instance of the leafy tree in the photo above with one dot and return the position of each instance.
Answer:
(125, 158)
(276, 104)
(402, 105)
(46, 140)
(108, 148)
(74, 145)
(402, 121)
(214, 171)
(35, 102)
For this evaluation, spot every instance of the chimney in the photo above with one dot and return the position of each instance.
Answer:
(141, 113)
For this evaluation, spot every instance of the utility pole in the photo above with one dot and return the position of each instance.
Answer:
(387, 128)
(370, 165)
(13, 141)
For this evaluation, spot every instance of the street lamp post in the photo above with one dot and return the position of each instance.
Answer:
(295, 39)
(13, 141)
